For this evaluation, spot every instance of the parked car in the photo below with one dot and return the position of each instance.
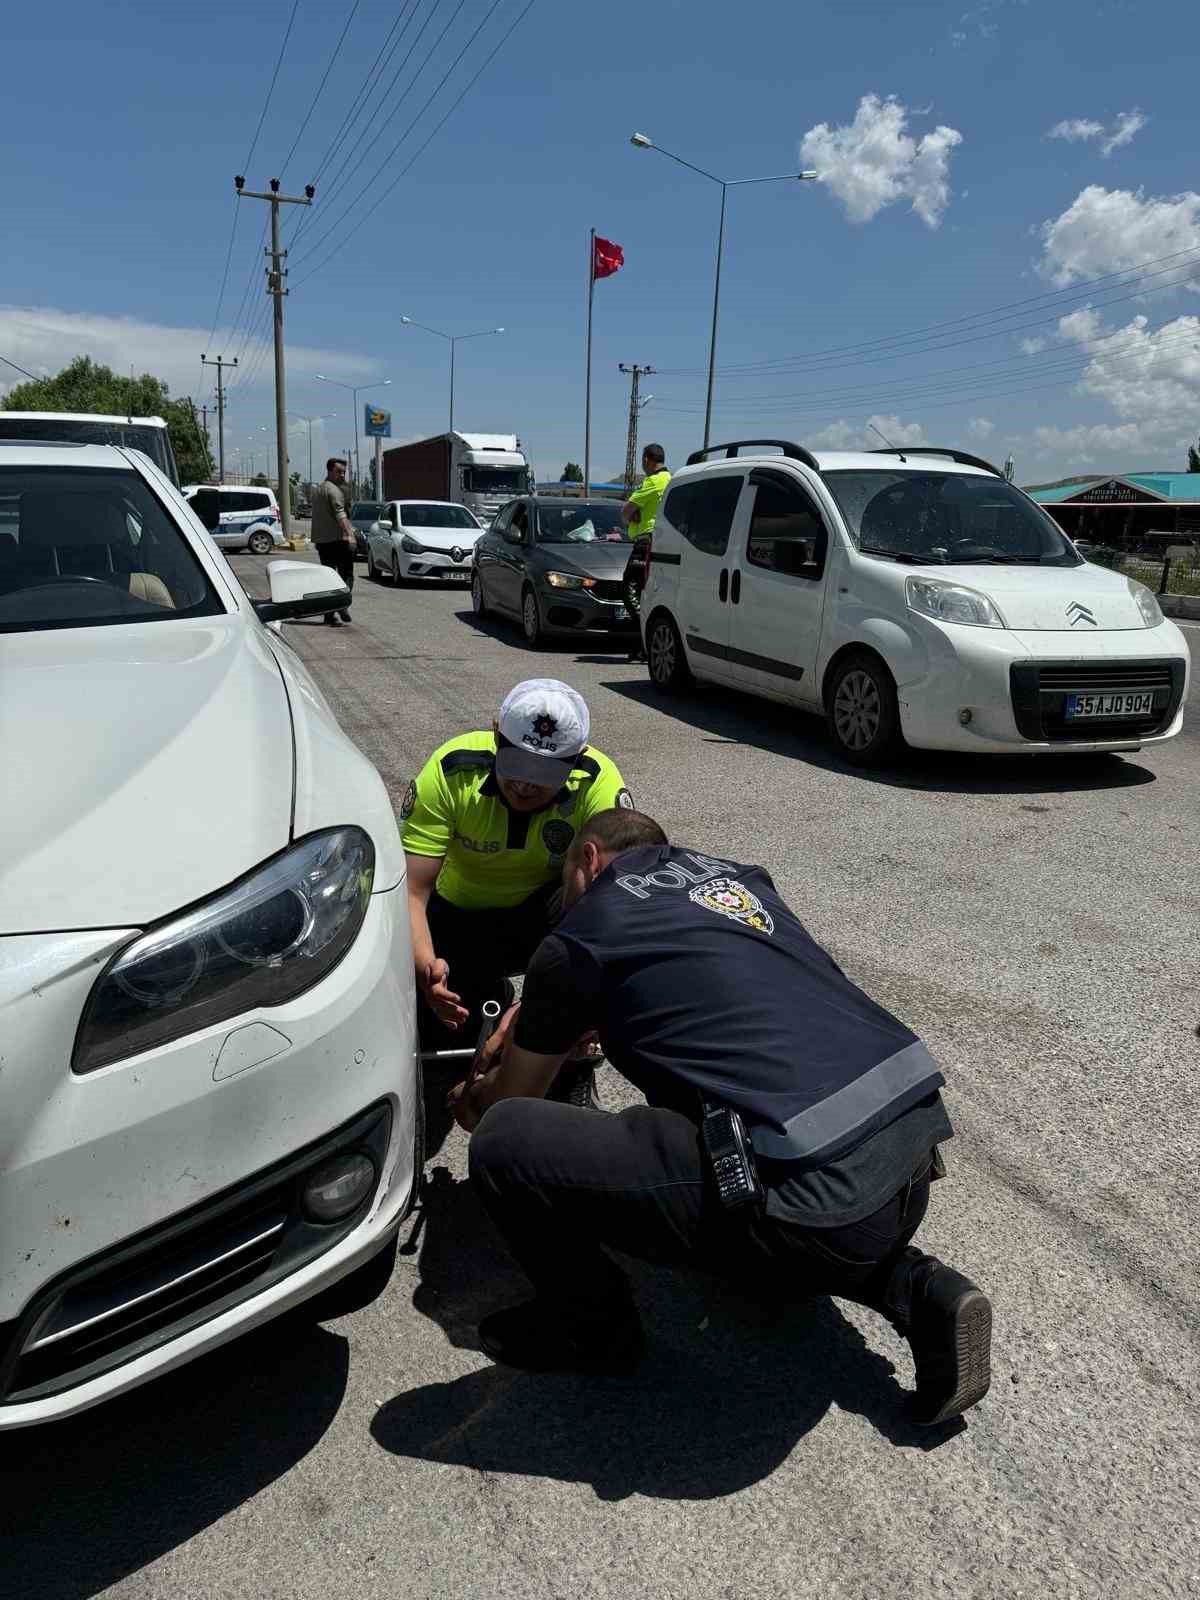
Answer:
(421, 539)
(911, 596)
(364, 514)
(556, 566)
(211, 1110)
(238, 518)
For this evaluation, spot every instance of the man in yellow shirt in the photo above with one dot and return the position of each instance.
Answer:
(639, 514)
(487, 825)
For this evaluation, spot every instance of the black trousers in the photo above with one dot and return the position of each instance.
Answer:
(339, 555)
(635, 575)
(482, 948)
(562, 1183)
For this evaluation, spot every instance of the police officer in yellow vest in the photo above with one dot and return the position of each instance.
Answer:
(488, 822)
(639, 514)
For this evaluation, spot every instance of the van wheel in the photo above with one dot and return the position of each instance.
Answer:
(863, 716)
(664, 653)
(261, 543)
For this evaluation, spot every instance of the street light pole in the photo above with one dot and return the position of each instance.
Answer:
(326, 416)
(452, 339)
(644, 142)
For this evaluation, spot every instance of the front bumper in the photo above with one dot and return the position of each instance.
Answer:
(1014, 686)
(582, 611)
(437, 566)
(154, 1201)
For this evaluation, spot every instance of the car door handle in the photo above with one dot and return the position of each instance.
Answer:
(735, 588)
(723, 586)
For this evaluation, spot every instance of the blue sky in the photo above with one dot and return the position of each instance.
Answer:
(970, 159)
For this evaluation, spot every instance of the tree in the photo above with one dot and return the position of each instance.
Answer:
(260, 480)
(86, 386)
(572, 473)
(1194, 457)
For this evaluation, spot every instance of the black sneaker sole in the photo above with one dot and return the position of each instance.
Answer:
(973, 1358)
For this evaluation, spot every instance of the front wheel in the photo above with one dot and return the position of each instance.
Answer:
(531, 620)
(664, 654)
(372, 570)
(397, 578)
(478, 603)
(260, 543)
(864, 716)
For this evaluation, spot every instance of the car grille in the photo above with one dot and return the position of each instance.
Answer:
(177, 1275)
(608, 589)
(1040, 689)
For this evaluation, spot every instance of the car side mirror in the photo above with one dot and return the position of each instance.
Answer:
(300, 589)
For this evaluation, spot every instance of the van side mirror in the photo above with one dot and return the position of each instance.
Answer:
(300, 589)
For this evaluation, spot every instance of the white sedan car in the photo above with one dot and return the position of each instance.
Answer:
(419, 539)
(210, 1095)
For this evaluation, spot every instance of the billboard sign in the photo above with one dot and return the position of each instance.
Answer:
(377, 424)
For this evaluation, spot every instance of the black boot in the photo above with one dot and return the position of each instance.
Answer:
(538, 1338)
(947, 1320)
(575, 1085)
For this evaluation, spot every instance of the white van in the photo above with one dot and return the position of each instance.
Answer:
(910, 596)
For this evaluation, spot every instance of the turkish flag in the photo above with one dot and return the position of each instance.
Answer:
(607, 258)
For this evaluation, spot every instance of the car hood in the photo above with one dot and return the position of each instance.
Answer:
(599, 559)
(144, 767)
(444, 539)
(1078, 600)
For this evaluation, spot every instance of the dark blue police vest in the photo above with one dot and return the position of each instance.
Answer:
(707, 977)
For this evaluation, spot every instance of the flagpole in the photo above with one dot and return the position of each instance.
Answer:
(587, 425)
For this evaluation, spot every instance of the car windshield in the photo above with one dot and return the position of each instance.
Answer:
(151, 441)
(366, 511)
(579, 524)
(947, 517)
(91, 547)
(495, 480)
(438, 517)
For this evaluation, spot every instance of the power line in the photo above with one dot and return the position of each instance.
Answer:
(21, 370)
(470, 84)
(324, 80)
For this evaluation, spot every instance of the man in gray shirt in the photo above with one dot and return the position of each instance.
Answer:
(333, 532)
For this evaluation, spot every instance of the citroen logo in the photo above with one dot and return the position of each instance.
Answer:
(1078, 613)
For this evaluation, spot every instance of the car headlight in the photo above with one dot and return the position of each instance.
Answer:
(569, 580)
(261, 943)
(951, 602)
(410, 546)
(1147, 604)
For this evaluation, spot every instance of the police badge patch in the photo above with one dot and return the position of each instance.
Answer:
(409, 802)
(625, 801)
(732, 899)
(557, 836)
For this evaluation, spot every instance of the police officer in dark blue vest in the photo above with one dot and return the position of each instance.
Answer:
(791, 1125)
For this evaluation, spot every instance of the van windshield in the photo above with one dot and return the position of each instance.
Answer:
(947, 517)
(151, 441)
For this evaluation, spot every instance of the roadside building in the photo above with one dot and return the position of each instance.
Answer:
(1134, 510)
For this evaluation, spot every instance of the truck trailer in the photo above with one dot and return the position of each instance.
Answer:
(478, 470)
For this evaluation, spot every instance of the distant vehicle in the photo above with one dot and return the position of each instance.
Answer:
(477, 470)
(211, 1104)
(556, 566)
(415, 539)
(364, 514)
(238, 518)
(147, 434)
(912, 596)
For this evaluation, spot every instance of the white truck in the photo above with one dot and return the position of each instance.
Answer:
(478, 470)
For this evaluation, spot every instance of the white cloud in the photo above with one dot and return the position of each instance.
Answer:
(875, 162)
(981, 427)
(1112, 230)
(1032, 347)
(1076, 129)
(43, 339)
(1126, 125)
(843, 435)
(1143, 373)
(1125, 446)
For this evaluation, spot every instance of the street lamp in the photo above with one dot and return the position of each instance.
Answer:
(355, 390)
(644, 142)
(452, 339)
(326, 417)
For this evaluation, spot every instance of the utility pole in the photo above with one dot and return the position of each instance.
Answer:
(276, 273)
(636, 375)
(220, 363)
(207, 440)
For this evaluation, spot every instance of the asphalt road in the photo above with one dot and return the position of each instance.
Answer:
(1036, 922)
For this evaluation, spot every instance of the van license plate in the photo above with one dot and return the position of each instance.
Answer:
(1081, 706)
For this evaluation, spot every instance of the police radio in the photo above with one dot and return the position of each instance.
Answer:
(730, 1156)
